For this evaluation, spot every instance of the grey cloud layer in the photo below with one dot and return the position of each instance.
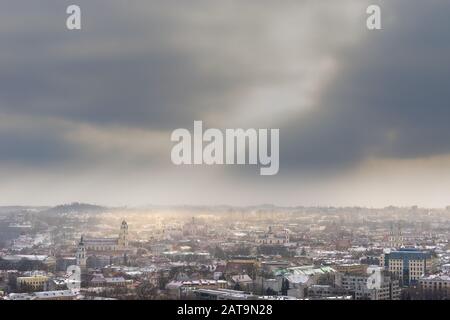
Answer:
(138, 70)
(174, 59)
(391, 100)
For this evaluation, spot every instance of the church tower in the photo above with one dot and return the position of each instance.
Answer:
(123, 235)
(396, 239)
(81, 254)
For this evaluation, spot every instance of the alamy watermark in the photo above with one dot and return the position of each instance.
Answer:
(73, 21)
(234, 146)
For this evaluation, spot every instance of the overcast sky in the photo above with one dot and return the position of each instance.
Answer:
(87, 115)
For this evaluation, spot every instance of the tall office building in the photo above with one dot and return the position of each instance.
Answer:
(408, 264)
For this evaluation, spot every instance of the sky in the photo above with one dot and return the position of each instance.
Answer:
(87, 115)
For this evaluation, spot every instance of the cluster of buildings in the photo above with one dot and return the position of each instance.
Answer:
(230, 254)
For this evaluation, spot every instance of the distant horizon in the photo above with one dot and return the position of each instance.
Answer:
(222, 205)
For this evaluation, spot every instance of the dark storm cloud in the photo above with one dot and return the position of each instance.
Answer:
(391, 99)
(157, 65)
(33, 146)
(120, 69)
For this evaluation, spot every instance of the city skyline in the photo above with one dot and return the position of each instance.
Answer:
(85, 252)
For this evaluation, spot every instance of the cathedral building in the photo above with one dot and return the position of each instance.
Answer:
(272, 237)
(107, 244)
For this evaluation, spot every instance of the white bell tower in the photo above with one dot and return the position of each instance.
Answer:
(123, 235)
(81, 254)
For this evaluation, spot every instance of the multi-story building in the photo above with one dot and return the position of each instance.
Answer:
(435, 286)
(299, 279)
(222, 294)
(408, 264)
(32, 283)
(320, 291)
(351, 268)
(395, 237)
(183, 289)
(44, 295)
(372, 284)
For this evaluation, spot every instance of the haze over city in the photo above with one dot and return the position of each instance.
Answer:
(87, 116)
